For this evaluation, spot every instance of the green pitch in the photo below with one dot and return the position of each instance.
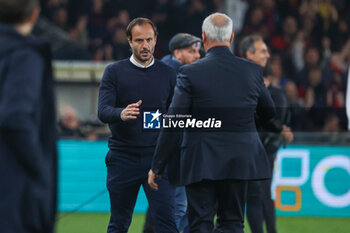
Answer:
(97, 223)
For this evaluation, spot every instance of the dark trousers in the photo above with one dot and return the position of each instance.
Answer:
(260, 206)
(181, 218)
(148, 227)
(226, 198)
(126, 172)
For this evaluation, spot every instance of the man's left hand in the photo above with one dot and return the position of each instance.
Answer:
(151, 180)
(287, 134)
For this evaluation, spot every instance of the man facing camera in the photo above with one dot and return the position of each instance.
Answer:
(215, 165)
(127, 88)
(28, 167)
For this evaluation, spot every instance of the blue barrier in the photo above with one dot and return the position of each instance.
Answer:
(308, 180)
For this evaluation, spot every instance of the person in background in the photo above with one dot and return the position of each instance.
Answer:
(125, 85)
(28, 167)
(70, 126)
(297, 106)
(69, 123)
(260, 206)
(184, 49)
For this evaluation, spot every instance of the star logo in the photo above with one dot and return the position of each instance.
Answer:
(156, 115)
(151, 120)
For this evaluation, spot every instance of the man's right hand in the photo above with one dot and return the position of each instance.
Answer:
(131, 111)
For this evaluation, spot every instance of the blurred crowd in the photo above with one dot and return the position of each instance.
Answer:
(308, 41)
(310, 55)
(99, 26)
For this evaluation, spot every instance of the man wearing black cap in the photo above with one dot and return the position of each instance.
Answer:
(185, 50)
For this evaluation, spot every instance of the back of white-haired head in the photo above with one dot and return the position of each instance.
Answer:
(218, 27)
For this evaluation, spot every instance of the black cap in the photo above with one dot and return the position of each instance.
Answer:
(182, 40)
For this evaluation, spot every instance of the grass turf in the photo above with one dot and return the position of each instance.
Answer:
(97, 223)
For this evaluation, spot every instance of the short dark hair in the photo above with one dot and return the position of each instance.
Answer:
(247, 44)
(139, 21)
(16, 11)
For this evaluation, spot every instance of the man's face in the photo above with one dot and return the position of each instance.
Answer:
(261, 54)
(188, 55)
(312, 57)
(142, 43)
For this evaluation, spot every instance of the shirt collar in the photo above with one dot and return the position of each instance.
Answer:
(133, 61)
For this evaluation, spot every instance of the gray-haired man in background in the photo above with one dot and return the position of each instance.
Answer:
(260, 206)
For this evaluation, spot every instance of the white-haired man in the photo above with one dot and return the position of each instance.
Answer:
(216, 163)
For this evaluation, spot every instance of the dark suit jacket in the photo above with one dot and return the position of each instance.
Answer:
(270, 133)
(28, 164)
(229, 88)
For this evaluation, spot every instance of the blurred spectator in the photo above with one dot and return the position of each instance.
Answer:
(196, 13)
(271, 16)
(79, 34)
(331, 124)
(96, 23)
(61, 45)
(120, 20)
(308, 7)
(120, 44)
(328, 13)
(254, 23)
(51, 6)
(283, 42)
(336, 87)
(236, 10)
(70, 126)
(278, 77)
(339, 34)
(60, 18)
(302, 34)
(315, 91)
(315, 99)
(311, 59)
(298, 113)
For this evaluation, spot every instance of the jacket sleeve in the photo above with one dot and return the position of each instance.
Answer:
(282, 112)
(169, 140)
(107, 112)
(19, 106)
(282, 106)
(265, 108)
(172, 82)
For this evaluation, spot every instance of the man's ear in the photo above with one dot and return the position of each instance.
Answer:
(176, 53)
(204, 37)
(249, 55)
(34, 16)
(232, 36)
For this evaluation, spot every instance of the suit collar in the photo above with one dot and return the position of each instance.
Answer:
(218, 50)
